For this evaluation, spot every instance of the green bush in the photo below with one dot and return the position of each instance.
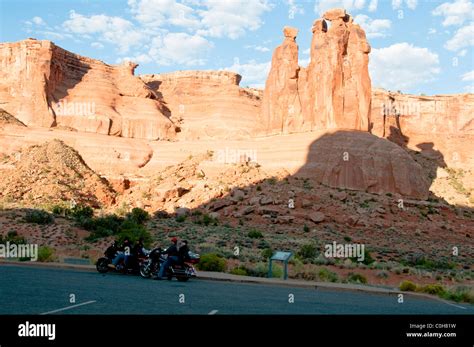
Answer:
(138, 215)
(434, 289)
(267, 253)
(407, 286)
(82, 211)
(180, 218)
(308, 252)
(367, 258)
(255, 234)
(45, 254)
(61, 210)
(261, 270)
(241, 271)
(13, 237)
(356, 278)
(204, 219)
(306, 228)
(326, 275)
(38, 217)
(212, 262)
(459, 294)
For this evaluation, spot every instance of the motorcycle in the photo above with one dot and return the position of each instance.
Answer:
(133, 263)
(181, 271)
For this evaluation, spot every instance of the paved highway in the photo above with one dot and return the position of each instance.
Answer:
(34, 290)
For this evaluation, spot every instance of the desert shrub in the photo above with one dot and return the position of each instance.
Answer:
(212, 262)
(307, 252)
(356, 278)
(138, 215)
(255, 234)
(133, 232)
(428, 264)
(13, 237)
(434, 289)
(261, 270)
(306, 228)
(45, 254)
(241, 271)
(326, 275)
(367, 258)
(459, 294)
(204, 219)
(82, 211)
(61, 210)
(267, 253)
(407, 286)
(180, 218)
(39, 217)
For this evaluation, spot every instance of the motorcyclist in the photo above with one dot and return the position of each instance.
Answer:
(112, 250)
(183, 251)
(173, 258)
(123, 253)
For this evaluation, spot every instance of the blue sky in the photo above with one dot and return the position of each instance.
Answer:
(418, 46)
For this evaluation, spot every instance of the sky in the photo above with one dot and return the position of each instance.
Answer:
(418, 46)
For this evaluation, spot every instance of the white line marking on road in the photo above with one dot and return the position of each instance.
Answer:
(213, 312)
(69, 307)
(448, 303)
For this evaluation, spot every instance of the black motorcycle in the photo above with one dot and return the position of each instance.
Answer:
(181, 271)
(132, 267)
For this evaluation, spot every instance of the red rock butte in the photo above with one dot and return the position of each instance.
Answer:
(126, 125)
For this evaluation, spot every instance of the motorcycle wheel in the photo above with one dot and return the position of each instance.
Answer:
(102, 265)
(145, 270)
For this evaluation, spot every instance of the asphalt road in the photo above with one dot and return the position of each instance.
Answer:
(33, 290)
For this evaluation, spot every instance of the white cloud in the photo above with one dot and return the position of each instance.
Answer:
(231, 18)
(114, 30)
(373, 5)
(455, 13)
(215, 18)
(398, 4)
(322, 6)
(97, 45)
(258, 48)
(156, 13)
(140, 59)
(464, 37)
(180, 48)
(432, 31)
(402, 66)
(468, 76)
(469, 89)
(294, 8)
(462, 53)
(373, 27)
(38, 20)
(253, 74)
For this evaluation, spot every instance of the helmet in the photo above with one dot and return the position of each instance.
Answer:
(174, 239)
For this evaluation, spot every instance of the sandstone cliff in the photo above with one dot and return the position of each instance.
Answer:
(44, 85)
(333, 92)
(440, 125)
(207, 104)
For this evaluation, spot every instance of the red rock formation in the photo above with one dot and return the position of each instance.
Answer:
(333, 92)
(440, 123)
(44, 85)
(207, 104)
(361, 161)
